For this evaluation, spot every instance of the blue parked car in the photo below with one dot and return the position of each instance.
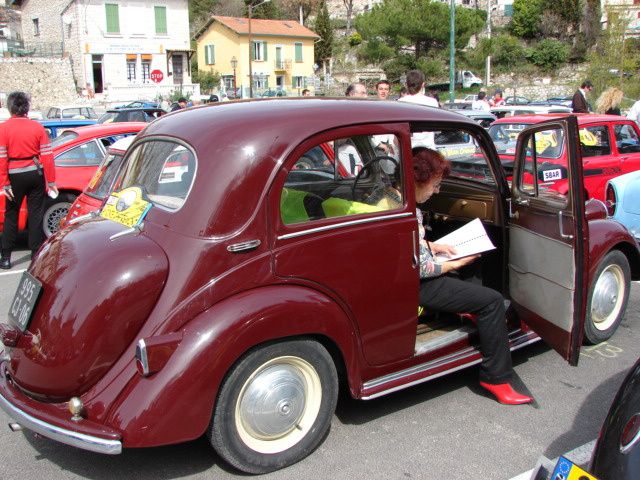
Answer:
(55, 127)
(623, 201)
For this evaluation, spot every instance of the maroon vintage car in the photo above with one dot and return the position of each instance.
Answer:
(231, 302)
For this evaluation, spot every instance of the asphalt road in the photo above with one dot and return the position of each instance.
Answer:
(444, 429)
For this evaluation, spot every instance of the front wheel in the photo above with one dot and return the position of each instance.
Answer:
(608, 296)
(275, 406)
(54, 211)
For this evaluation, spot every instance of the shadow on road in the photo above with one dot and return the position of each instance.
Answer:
(589, 418)
(357, 412)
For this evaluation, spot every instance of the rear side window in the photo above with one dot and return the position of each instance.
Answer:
(85, 155)
(344, 177)
(594, 141)
(163, 169)
(626, 138)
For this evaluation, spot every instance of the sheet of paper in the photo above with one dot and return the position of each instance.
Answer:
(469, 239)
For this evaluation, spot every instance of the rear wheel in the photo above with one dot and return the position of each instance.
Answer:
(275, 406)
(608, 296)
(54, 211)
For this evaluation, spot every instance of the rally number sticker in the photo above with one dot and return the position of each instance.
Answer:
(552, 175)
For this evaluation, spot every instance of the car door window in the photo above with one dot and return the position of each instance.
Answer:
(626, 138)
(542, 177)
(594, 141)
(362, 180)
(85, 155)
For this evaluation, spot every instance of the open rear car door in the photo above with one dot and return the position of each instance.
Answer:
(549, 237)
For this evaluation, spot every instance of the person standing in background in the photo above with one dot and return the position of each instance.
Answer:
(609, 102)
(634, 113)
(497, 100)
(356, 90)
(415, 94)
(383, 88)
(480, 103)
(579, 102)
(26, 170)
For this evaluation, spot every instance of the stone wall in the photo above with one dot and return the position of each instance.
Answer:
(563, 82)
(49, 81)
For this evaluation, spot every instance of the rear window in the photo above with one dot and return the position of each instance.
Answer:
(101, 183)
(163, 169)
(64, 138)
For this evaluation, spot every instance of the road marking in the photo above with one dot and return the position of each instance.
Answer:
(581, 456)
(13, 272)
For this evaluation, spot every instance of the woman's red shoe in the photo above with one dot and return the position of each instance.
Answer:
(506, 394)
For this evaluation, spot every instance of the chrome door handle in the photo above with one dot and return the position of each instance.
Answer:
(415, 254)
(562, 234)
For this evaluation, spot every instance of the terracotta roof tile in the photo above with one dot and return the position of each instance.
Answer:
(289, 28)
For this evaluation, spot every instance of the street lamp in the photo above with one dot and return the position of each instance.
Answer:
(250, 9)
(234, 64)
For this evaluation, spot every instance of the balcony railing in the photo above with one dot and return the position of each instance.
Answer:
(35, 49)
(282, 65)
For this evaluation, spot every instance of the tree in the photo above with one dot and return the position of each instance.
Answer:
(418, 27)
(208, 80)
(291, 8)
(323, 27)
(348, 6)
(549, 54)
(527, 18)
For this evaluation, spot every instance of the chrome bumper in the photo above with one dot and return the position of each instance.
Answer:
(62, 435)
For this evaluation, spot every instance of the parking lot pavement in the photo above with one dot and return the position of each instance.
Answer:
(447, 428)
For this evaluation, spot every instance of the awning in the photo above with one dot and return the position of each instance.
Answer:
(132, 56)
(146, 57)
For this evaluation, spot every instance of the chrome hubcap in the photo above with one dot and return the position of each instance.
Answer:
(274, 402)
(278, 404)
(607, 297)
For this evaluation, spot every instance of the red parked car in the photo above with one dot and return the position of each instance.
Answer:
(99, 187)
(230, 303)
(610, 146)
(77, 153)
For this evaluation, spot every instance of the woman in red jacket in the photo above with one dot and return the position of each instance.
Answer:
(26, 170)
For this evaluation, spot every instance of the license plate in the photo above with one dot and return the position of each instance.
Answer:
(24, 301)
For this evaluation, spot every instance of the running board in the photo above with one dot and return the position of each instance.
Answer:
(426, 346)
(439, 367)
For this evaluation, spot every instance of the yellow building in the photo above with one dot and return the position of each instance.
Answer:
(281, 50)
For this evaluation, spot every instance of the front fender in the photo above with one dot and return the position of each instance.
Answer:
(175, 404)
(606, 235)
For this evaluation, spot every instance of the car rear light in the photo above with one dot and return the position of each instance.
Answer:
(153, 353)
(9, 335)
(630, 434)
(610, 200)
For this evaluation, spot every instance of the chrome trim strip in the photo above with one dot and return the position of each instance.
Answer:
(124, 232)
(144, 360)
(343, 224)
(244, 246)
(62, 435)
(82, 217)
(429, 365)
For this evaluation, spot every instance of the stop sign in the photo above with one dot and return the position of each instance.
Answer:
(157, 76)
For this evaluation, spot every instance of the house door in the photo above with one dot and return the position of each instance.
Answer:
(96, 68)
(177, 62)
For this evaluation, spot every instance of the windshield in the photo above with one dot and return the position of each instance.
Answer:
(101, 183)
(505, 137)
(462, 149)
(63, 138)
(108, 117)
(163, 169)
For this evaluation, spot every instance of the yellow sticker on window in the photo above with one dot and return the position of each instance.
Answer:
(126, 207)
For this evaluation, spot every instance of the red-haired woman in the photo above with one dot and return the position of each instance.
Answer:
(439, 292)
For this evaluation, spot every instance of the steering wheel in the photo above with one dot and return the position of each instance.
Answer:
(367, 166)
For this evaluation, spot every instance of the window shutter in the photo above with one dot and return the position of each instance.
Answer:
(210, 54)
(113, 19)
(161, 20)
(206, 55)
(253, 50)
(298, 52)
(264, 51)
